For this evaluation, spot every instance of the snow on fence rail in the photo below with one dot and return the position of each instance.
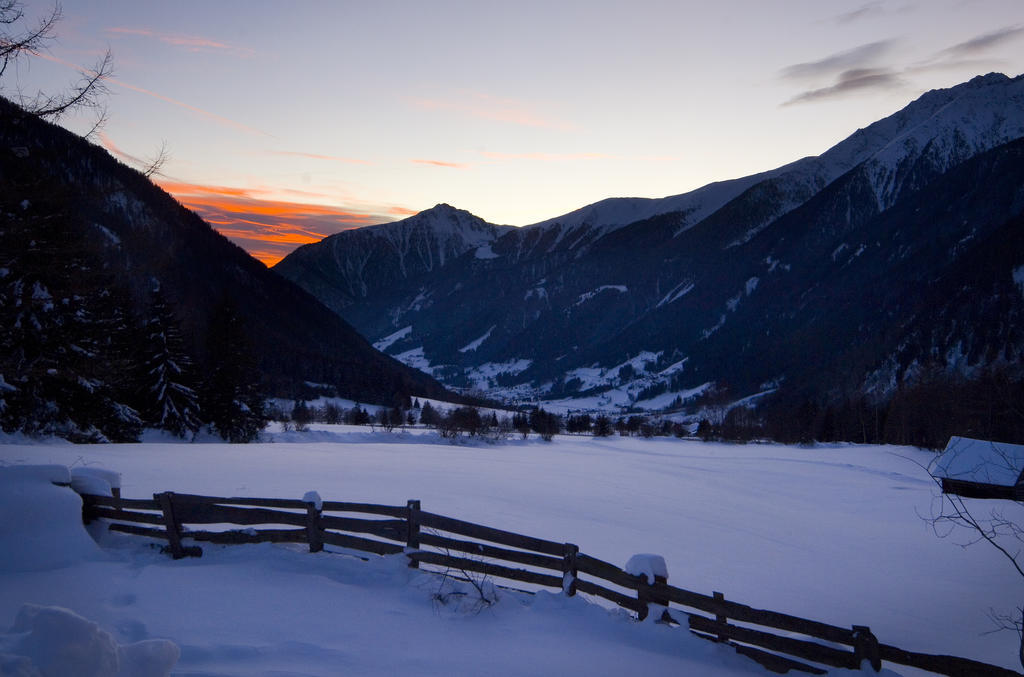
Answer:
(437, 540)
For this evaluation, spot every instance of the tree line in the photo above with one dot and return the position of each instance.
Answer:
(924, 412)
(83, 357)
(468, 421)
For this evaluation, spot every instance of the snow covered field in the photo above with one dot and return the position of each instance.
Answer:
(831, 533)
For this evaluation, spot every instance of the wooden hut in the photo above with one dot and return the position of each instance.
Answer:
(981, 469)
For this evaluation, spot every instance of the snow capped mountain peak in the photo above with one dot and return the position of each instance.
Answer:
(943, 126)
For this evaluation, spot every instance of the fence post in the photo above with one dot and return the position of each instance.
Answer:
(316, 543)
(720, 618)
(412, 538)
(865, 646)
(170, 524)
(569, 569)
(88, 508)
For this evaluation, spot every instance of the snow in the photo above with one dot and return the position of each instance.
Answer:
(52, 641)
(476, 343)
(89, 484)
(114, 239)
(677, 293)
(492, 369)
(111, 477)
(673, 368)
(385, 343)
(771, 526)
(583, 298)
(416, 359)
(40, 522)
(539, 292)
(666, 399)
(482, 375)
(648, 566)
(721, 321)
(1018, 277)
(485, 252)
(314, 498)
(980, 461)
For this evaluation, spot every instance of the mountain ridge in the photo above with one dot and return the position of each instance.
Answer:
(561, 307)
(142, 237)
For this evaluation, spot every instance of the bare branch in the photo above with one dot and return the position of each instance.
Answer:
(15, 44)
(86, 93)
(98, 124)
(31, 42)
(154, 167)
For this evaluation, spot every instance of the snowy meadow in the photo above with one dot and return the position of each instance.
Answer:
(836, 534)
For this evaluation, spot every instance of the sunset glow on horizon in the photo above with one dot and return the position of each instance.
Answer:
(267, 228)
(285, 124)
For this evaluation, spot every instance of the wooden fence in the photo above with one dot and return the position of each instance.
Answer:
(439, 541)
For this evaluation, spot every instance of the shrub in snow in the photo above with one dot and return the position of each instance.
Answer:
(50, 641)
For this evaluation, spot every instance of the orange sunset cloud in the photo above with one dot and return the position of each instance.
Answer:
(267, 228)
(439, 163)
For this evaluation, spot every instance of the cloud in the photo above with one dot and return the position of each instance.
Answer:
(219, 119)
(854, 80)
(982, 43)
(193, 43)
(857, 58)
(439, 163)
(860, 13)
(317, 156)
(113, 149)
(969, 54)
(487, 107)
(265, 227)
(545, 157)
(857, 69)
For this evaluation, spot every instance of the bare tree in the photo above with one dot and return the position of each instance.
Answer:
(21, 40)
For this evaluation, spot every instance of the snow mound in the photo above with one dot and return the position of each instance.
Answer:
(648, 566)
(50, 641)
(96, 481)
(40, 522)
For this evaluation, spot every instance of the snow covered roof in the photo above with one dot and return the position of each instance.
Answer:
(980, 461)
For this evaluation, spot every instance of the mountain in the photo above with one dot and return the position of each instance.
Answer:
(821, 276)
(137, 237)
(353, 272)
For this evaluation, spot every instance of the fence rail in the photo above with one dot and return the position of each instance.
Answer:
(437, 540)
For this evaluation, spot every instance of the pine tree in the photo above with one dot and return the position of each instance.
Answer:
(602, 426)
(428, 415)
(231, 401)
(167, 395)
(61, 323)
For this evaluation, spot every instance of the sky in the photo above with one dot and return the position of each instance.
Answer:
(287, 122)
